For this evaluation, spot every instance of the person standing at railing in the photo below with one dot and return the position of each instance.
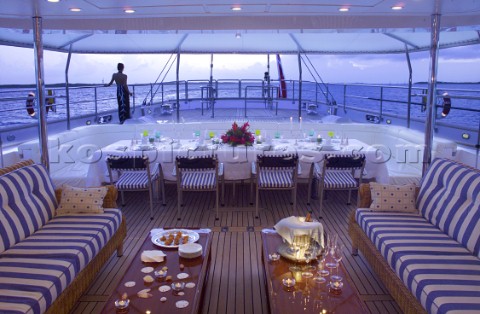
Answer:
(123, 93)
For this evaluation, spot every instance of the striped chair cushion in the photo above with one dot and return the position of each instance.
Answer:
(27, 199)
(439, 272)
(449, 199)
(199, 180)
(276, 178)
(132, 181)
(339, 180)
(35, 271)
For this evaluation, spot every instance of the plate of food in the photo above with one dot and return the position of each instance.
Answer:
(172, 238)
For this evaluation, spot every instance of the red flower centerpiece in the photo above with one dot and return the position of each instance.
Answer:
(239, 135)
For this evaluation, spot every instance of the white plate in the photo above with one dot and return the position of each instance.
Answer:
(192, 237)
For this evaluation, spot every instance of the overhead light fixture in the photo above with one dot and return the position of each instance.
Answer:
(397, 7)
(344, 9)
(54, 1)
(236, 8)
(129, 11)
(75, 10)
(238, 35)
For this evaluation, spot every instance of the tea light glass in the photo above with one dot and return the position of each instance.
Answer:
(273, 257)
(160, 274)
(178, 286)
(122, 304)
(288, 282)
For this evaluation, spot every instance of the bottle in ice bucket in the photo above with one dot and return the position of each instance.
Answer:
(308, 217)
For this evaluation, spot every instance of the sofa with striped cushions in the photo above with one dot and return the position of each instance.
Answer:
(47, 261)
(428, 260)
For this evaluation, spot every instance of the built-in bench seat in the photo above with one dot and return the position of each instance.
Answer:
(429, 260)
(48, 258)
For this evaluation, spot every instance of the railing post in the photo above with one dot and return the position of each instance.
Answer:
(151, 94)
(96, 102)
(381, 103)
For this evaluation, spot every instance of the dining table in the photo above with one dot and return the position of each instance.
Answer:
(237, 160)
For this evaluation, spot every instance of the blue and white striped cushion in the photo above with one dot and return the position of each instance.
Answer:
(199, 180)
(449, 199)
(36, 270)
(440, 272)
(339, 180)
(132, 181)
(276, 178)
(30, 285)
(27, 199)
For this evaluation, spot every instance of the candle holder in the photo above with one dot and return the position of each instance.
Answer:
(289, 283)
(122, 304)
(273, 257)
(335, 287)
(160, 274)
(178, 286)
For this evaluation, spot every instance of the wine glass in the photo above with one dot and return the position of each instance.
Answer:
(337, 256)
(294, 250)
(310, 253)
(332, 239)
(321, 271)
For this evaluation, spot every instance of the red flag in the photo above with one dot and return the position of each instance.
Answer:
(283, 85)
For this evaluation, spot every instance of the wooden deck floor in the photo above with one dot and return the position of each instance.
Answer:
(235, 279)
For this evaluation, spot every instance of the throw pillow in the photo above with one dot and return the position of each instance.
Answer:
(399, 198)
(81, 200)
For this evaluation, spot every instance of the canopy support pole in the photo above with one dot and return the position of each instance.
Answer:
(211, 93)
(432, 92)
(299, 86)
(409, 99)
(268, 81)
(67, 87)
(42, 112)
(178, 87)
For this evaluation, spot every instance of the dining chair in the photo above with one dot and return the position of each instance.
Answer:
(276, 172)
(134, 173)
(339, 172)
(198, 174)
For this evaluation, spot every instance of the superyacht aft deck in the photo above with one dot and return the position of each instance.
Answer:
(235, 282)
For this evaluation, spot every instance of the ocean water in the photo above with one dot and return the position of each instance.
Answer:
(85, 100)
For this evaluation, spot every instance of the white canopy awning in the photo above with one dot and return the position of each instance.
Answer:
(370, 26)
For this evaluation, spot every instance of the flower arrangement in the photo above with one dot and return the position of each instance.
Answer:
(238, 135)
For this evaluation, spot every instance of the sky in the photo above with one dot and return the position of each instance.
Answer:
(461, 64)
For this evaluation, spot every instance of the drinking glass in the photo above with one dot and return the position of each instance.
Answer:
(332, 239)
(310, 253)
(337, 256)
(294, 250)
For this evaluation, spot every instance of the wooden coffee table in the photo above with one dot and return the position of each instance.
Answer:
(306, 296)
(196, 268)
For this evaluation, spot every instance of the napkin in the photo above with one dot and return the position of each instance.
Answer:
(300, 228)
(153, 256)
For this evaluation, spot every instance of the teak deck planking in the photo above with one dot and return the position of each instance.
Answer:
(235, 282)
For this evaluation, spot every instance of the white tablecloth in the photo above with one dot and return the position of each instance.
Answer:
(237, 160)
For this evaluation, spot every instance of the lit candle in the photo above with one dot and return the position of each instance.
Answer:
(123, 302)
(288, 282)
(300, 123)
(291, 123)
